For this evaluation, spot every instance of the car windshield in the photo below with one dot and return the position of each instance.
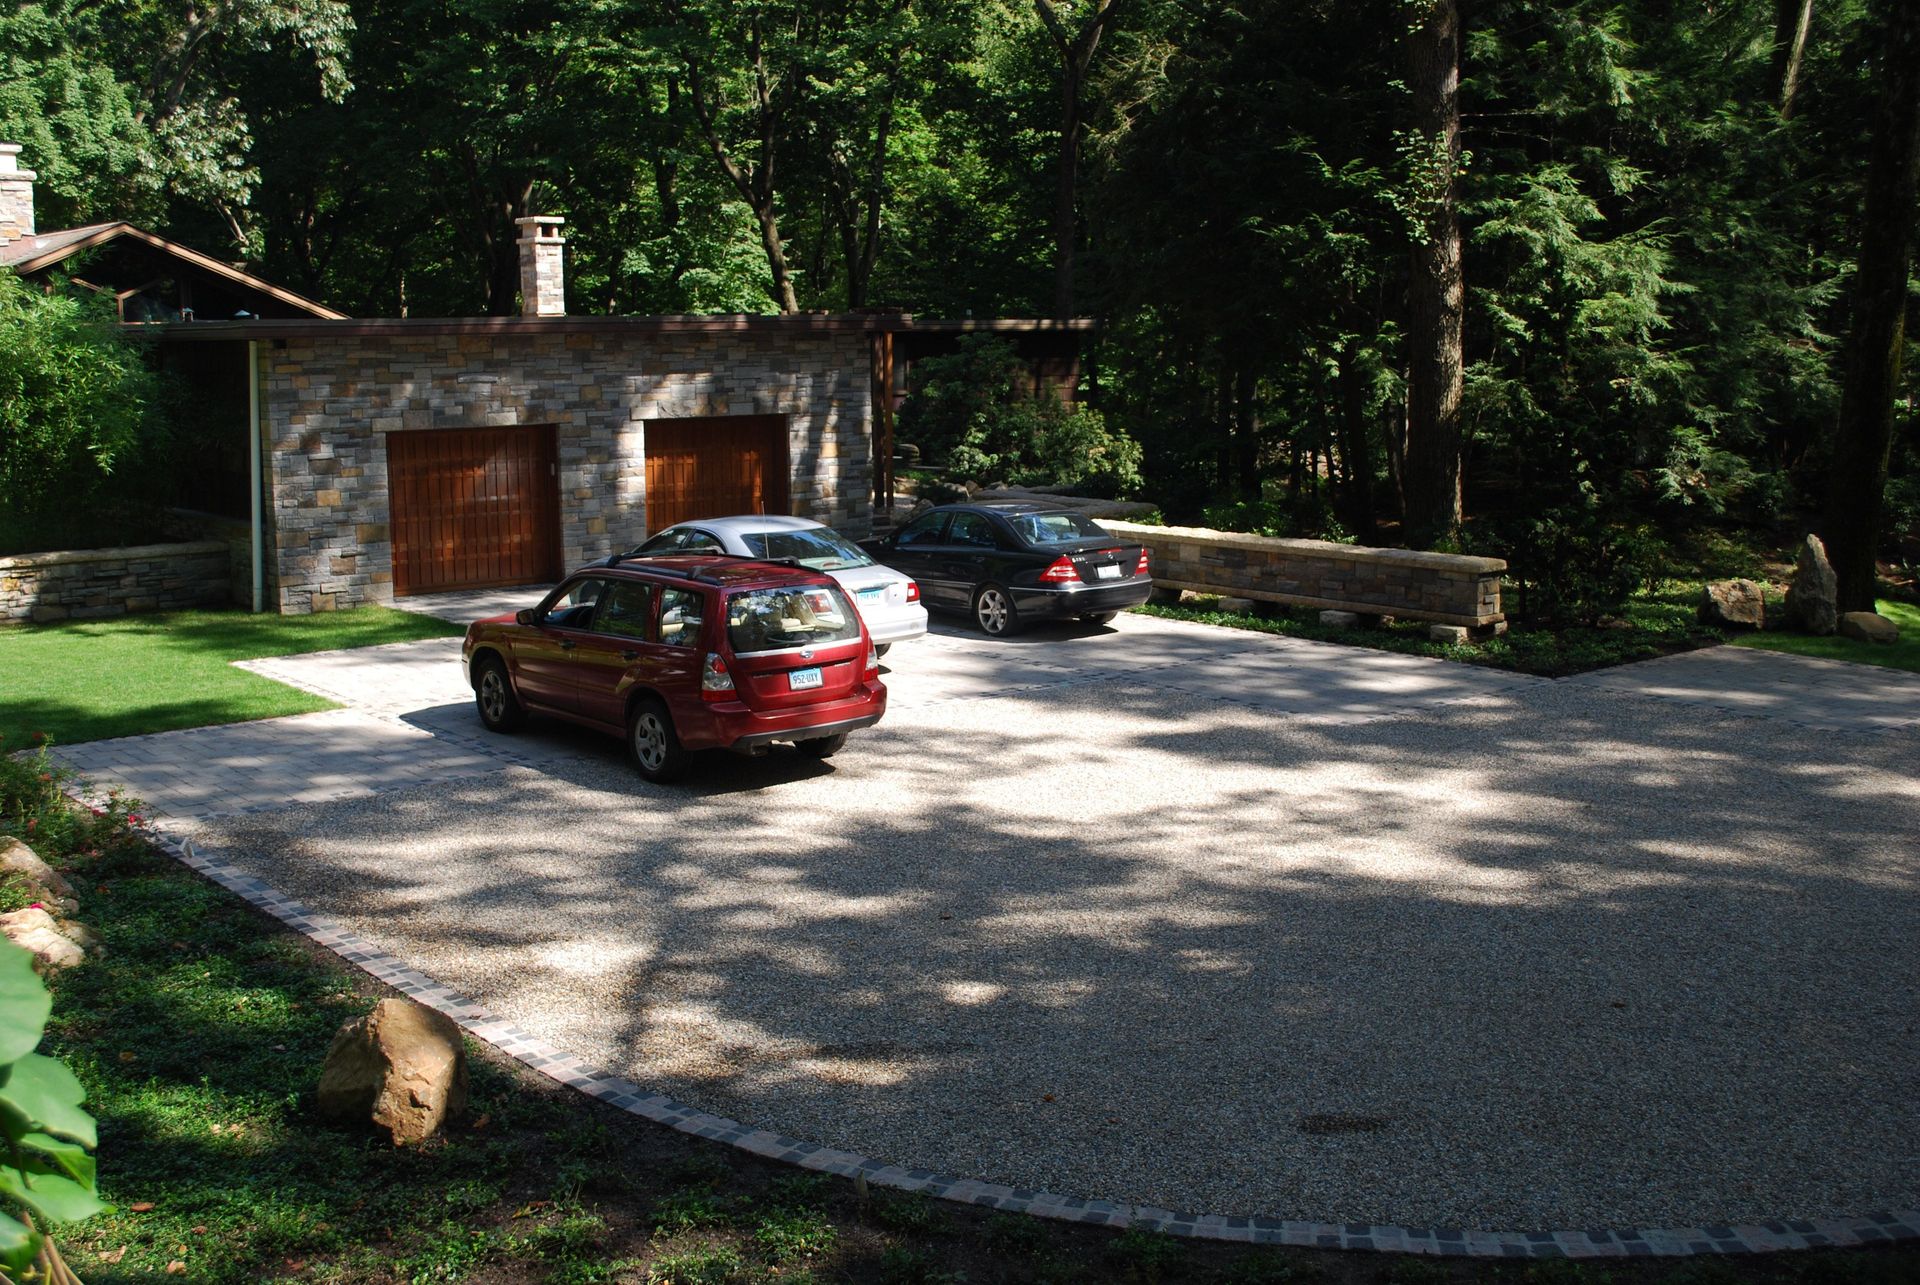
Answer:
(797, 616)
(1053, 528)
(815, 548)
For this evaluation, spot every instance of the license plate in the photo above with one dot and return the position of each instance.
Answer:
(800, 680)
(1107, 573)
(868, 597)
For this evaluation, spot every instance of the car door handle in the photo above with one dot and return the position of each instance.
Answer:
(629, 655)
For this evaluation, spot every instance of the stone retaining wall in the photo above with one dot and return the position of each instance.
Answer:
(1448, 588)
(89, 583)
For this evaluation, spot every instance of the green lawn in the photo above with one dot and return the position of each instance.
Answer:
(89, 680)
(1904, 654)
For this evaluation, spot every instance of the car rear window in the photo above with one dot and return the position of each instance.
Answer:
(815, 549)
(1054, 528)
(797, 616)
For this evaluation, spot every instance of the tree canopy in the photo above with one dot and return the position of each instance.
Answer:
(1503, 273)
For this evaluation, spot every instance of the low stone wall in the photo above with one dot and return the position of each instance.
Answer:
(1448, 588)
(89, 583)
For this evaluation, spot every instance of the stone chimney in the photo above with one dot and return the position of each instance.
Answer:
(16, 196)
(543, 273)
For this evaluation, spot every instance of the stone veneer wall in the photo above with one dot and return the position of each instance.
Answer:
(330, 401)
(1449, 588)
(88, 583)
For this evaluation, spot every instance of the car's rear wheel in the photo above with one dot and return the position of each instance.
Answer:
(655, 746)
(500, 709)
(881, 649)
(994, 612)
(822, 747)
(1099, 617)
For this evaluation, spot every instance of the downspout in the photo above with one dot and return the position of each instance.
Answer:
(254, 472)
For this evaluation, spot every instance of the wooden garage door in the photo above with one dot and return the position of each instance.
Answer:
(715, 466)
(473, 507)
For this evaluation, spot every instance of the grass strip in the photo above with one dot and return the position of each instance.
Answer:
(1904, 654)
(89, 680)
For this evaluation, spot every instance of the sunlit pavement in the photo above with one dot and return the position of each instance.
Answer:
(1174, 915)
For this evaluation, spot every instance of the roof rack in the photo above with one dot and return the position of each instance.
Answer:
(684, 573)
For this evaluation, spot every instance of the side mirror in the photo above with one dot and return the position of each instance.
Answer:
(527, 616)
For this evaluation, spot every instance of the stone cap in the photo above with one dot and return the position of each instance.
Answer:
(10, 162)
(540, 227)
(1459, 563)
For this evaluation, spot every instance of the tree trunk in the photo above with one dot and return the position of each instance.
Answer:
(1356, 451)
(1066, 182)
(1246, 439)
(1858, 480)
(1435, 292)
(1792, 20)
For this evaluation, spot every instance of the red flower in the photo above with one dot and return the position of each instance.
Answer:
(39, 738)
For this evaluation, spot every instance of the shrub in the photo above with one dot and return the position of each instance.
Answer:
(1573, 565)
(75, 398)
(973, 411)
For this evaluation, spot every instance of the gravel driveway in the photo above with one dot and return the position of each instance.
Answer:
(1193, 918)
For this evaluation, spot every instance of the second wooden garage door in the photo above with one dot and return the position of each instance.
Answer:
(715, 466)
(473, 508)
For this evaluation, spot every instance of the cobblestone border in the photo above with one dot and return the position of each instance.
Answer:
(1782, 1234)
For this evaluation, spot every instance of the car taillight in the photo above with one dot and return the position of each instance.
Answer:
(873, 664)
(716, 684)
(1061, 572)
(913, 591)
(1141, 570)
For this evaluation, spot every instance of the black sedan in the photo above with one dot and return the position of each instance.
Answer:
(1008, 562)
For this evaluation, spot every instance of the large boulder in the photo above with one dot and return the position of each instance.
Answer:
(1733, 604)
(17, 858)
(1813, 594)
(1869, 626)
(402, 1066)
(38, 932)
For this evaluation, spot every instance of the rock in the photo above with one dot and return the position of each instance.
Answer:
(1455, 634)
(402, 1066)
(1237, 606)
(17, 858)
(1733, 604)
(1812, 595)
(1869, 626)
(36, 930)
(1340, 619)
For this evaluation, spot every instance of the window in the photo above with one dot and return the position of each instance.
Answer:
(801, 616)
(815, 548)
(680, 615)
(972, 529)
(1054, 528)
(572, 608)
(699, 542)
(624, 609)
(922, 530)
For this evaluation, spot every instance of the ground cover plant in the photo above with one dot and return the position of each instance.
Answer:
(1656, 622)
(88, 680)
(198, 1032)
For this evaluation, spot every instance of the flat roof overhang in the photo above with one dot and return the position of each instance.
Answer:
(516, 327)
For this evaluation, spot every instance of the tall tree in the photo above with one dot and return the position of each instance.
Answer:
(1075, 45)
(1875, 344)
(1436, 295)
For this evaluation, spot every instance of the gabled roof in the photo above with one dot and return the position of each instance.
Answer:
(38, 253)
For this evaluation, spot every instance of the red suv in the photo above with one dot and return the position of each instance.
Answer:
(684, 653)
